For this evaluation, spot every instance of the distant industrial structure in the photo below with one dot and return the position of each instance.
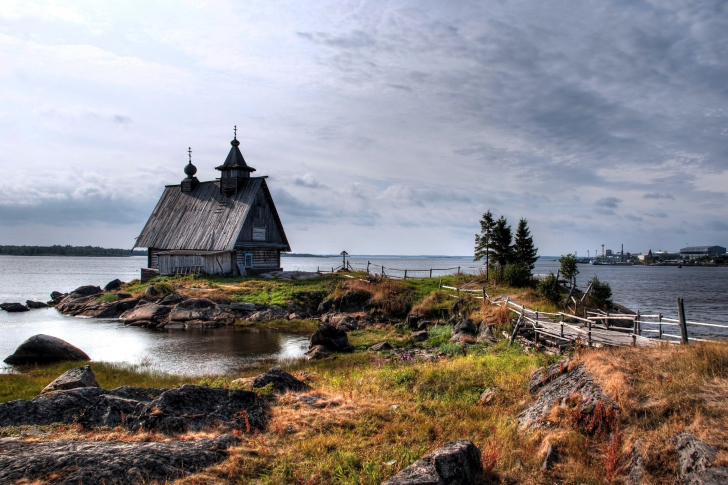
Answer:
(693, 252)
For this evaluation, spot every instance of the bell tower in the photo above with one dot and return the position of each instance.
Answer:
(190, 182)
(234, 171)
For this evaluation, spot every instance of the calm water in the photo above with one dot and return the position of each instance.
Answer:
(174, 350)
(200, 351)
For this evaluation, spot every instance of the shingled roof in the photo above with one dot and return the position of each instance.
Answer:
(203, 219)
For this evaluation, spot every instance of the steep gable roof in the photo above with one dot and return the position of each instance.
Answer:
(203, 219)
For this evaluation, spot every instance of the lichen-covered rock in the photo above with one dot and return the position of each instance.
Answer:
(44, 349)
(695, 460)
(200, 309)
(456, 463)
(275, 312)
(577, 381)
(72, 379)
(485, 333)
(331, 338)
(108, 462)
(636, 465)
(282, 381)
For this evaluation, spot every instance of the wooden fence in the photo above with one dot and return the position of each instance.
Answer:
(395, 273)
(598, 328)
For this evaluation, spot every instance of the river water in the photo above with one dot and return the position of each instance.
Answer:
(649, 289)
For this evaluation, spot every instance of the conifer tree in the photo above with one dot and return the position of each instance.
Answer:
(523, 251)
(484, 240)
(501, 240)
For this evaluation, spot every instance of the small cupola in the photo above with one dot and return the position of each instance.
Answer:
(234, 171)
(190, 182)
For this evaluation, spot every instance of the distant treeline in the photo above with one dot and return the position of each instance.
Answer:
(58, 250)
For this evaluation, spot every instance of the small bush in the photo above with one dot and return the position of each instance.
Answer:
(548, 289)
(451, 349)
(516, 275)
(601, 293)
(438, 336)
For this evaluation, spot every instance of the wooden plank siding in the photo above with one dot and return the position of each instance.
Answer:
(220, 263)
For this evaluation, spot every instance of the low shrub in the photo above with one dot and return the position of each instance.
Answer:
(516, 275)
(548, 289)
(601, 293)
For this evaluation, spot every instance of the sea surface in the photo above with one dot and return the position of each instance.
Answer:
(649, 289)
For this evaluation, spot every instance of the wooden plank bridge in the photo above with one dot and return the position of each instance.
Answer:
(596, 328)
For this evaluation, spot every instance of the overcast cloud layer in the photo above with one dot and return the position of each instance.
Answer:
(385, 127)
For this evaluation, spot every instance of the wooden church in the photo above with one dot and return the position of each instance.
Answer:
(227, 226)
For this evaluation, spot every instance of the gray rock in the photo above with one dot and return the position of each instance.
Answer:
(35, 304)
(325, 306)
(113, 285)
(465, 325)
(275, 312)
(561, 387)
(485, 334)
(343, 322)
(82, 291)
(381, 346)
(333, 339)
(195, 309)
(72, 379)
(420, 336)
(317, 352)
(108, 462)
(413, 320)
(172, 299)
(487, 396)
(151, 312)
(44, 349)
(282, 381)
(98, 309)
(151, 291)
(14, 307)
(544, 375)
(636, 465)
(693, 454)
(456, 463)
(710, 476)
(552, 456)
(53, 407)
(462, 338)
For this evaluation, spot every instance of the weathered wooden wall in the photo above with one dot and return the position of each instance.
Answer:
(260, 216)
(208, 263)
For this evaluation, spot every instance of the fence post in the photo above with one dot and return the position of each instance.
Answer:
(405, 274)
(639, 323)
(589, 334)
(368, 267)
(458, 293)
(430, 272)
(485, 296)
(458, 270)
(562, 325)
(606, 322)
(683, 323)
(659, 326)
(634, 326)
(440, 287)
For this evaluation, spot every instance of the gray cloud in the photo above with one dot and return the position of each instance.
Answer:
(610, 202)
(657, 195)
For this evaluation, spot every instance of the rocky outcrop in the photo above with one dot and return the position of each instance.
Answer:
(557, 384)
(695, 460)
(76, 301)
(100, 309)
(57, 296)
(282, 381)
(178, 410)
(147, 315)
(172, 299)
(331, 338)
(456, 463)
(485, 334)
(275, 312)
(73, 379)
(14, 307)
(44, 349)
(317, 352)
(636, 467)
(108, 462)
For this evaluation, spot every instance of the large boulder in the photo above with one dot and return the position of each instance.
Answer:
(52, 407)
(14, 307)
(101, 309)
(57, 296)
(73, 379)
(695, 461)
(331, 338)
(44, 349)
(88, 290)
(172, 299)
(108, 462)
(113, 285)
(456, 463)
(77, 300)
(465, 325)
(151, 315)
(198, 309)
(485, 333)
(317, 352)
(275, 312)
(282, 381)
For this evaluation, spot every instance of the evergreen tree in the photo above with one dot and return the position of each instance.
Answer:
(484, 240)
(501, 240)
(523, 251)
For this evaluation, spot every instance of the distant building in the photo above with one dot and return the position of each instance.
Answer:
(646, 258)
(699, 251)
(225, 226)
(609, 253)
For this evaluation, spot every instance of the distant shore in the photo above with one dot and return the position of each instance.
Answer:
(58, 250)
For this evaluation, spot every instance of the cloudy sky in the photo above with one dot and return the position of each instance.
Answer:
(386, 127)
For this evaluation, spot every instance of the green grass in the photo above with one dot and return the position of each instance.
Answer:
(438, 335)
(29, 381)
